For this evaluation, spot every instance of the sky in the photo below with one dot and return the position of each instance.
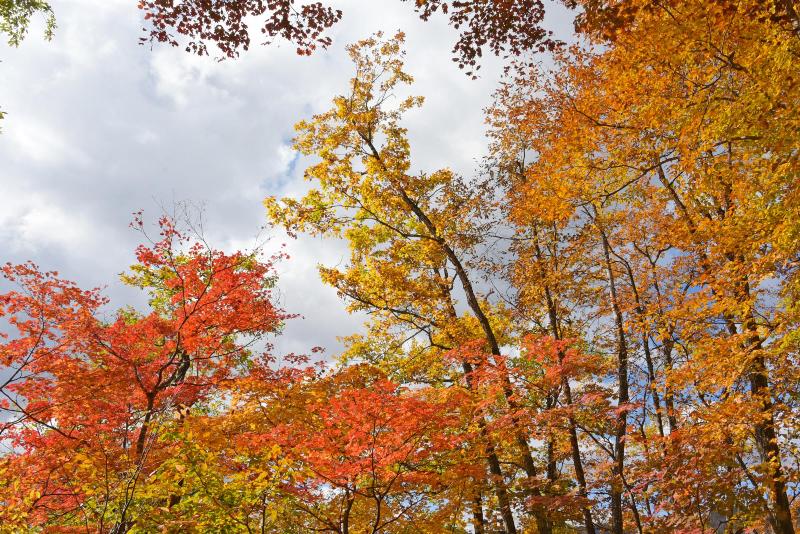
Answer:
(99, 127)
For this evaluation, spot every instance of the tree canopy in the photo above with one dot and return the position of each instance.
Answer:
(597, 332)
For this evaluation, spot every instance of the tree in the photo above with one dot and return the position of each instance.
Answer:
(671, 143)
(378, 458)
(417, 240)
(89, 404)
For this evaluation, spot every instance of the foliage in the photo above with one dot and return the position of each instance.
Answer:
(87, 401)
(506, 27)
(599, 333)
(15, 16)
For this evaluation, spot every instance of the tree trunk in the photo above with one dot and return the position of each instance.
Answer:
(617, 520)
(766, 435)
(478, 521)
(767, 441)
(575, 450)
(498, 481)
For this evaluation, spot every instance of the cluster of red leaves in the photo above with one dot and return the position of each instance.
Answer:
(80, 384)
(367, 431)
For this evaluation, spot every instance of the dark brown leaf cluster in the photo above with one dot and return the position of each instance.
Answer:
(224, 23)
(505, 27)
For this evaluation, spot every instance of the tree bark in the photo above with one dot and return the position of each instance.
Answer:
(577, 462)
(617, 519)
(478, 521)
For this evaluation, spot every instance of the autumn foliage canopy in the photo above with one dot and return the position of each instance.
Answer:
(598, 332)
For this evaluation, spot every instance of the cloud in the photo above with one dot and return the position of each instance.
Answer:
(99, 127)
(31, 223)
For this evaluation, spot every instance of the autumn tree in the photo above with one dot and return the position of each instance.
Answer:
(418, 245)
(370, 456)
(173, 420)
(675, 146)
(89, 401)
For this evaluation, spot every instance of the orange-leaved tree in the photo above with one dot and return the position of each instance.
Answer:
(672, 152)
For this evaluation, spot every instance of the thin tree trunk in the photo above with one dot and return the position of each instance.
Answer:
(575, 450)
(651, 378)
(617, 519)
(669, 400)
(500, 487)
(667, 345)
(474, 304)
(498, 480)
(478, 521)
(766, 435)
(141, 439)
(346, 513)
(767, 441)
(648, 357)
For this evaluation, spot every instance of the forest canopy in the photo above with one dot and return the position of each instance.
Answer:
(597, 331)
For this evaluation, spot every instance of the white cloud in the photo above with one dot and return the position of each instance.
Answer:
(99, 127)
(40, 144)
(30, 223)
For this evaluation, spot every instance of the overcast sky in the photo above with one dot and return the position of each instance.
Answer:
(99, 127)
